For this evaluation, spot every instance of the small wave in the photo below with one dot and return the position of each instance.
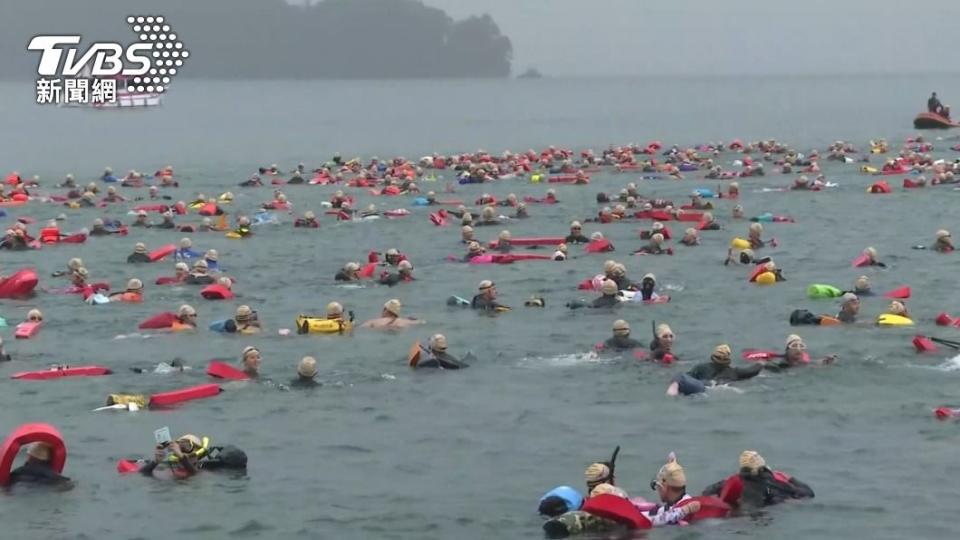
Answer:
(564, 360)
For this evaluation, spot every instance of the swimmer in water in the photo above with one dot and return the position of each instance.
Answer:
(671, 486)
(621, 340)
(243, 227)
(761, 487)
(794, 355)
(561, 253)
(244, 321)
(212, 257)
(709, 223)
(849, 308)
(38, 468)
(576, 234)
(141, 220)
(661, 348)
(404, 274)
(717, 371)
(503, 242)
(521, 211)
(133, 294)
(485, 300)
(690, 237)
(647, 286)
(738, 212)
(861, 287)
(187, 316)
(390, 318)
(438, 355)
(4, 355)
(871, 254)
(466, 235)
(72, 266)
(943, 243)
(655, 247)
(167, 222)
(98, 228)
(306, 374)
(139, 254)
(199, 275)
(349, 272)
(185, 251)
(474, 249)
(308, 220)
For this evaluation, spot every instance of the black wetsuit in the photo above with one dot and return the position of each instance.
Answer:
(17, 243)
(181, 468)
(504, 247)
(302, 222)
(441, 360)
(86, 203)
(140, 224)
(576, 239)
(342, 276)
(221, 458)
(765, 489)
(605, 301)
(712, 226)
(304, 382)
(846, 317)
(656, 350)
(5, 356)
(295, 179)
(98, 232)
(38, 472)
(483, 303)
(623, 283)
(199, 280)
(393, 279)
(167, 225)
(622, 343)
(138, 258)
(712, 371)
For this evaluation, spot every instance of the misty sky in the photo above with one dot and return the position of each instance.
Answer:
(650, 37)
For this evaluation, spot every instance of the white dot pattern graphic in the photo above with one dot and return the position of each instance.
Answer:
(167, 51)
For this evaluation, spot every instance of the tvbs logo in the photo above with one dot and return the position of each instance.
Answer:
(150, 63)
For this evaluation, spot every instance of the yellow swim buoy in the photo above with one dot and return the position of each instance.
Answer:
(320, 325)
(536, 178)
(740, 243)
(889, 319)
(766, 278)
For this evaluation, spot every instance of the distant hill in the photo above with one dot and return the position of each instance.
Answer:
(250, 39)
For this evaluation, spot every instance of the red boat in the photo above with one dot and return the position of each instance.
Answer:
(929, 120)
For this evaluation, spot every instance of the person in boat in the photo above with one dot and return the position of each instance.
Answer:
(133, 294)
(167, 222)
(794, 355)
(390, 318)
(38, 469)
(139, 254)
(438, 355)
(200, 275)
(141, 220)
(690, 237)
(671, 486)
(655, 247)
(871, 254)
(185, 252)
(661, 347)
(404, 274)
(349, 272)
(762, 487)
(849, 308)
(182, 455)
(943, 244)
(306, 374)
(934, 106)
(485, 300)
(467, 234)
(621, 340)
(309, 219)
(576, 234)
(717, 371)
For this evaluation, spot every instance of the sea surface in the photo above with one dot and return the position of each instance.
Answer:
(381, 451)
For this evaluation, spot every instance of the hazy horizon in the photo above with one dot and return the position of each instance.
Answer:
(743, 37)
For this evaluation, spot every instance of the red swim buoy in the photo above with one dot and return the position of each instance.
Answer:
(216, 292)
(28, 434)
(161, 252)
(710, 508)
(159, 321)
(617, 509)
(173, 397)
(222, 370)
(60, 372)
(20, 283)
